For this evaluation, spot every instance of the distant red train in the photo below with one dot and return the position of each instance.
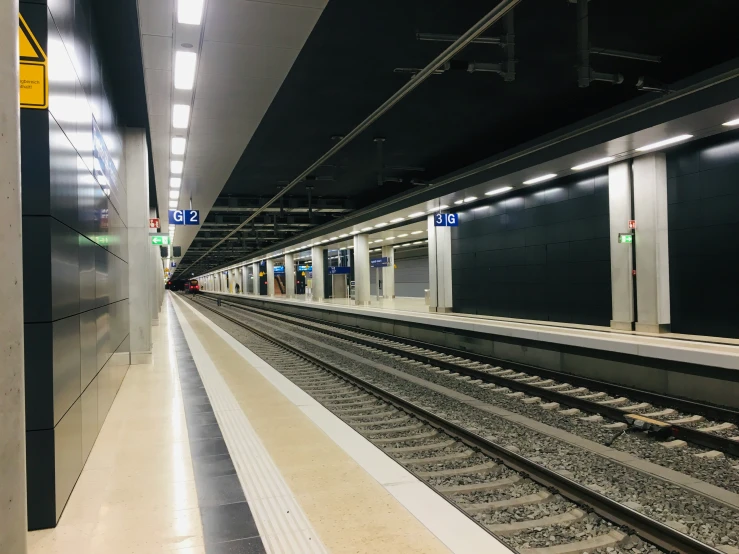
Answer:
(192, 286)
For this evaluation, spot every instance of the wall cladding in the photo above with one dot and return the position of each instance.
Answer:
(542, 254)
(703, 211)
(411, 273)
(75, 254)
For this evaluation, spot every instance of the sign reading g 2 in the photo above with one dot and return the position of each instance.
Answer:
(184, 217)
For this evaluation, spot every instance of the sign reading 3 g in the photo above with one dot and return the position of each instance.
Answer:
(184, 217)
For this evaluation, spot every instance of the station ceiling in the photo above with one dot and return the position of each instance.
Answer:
(359, 53)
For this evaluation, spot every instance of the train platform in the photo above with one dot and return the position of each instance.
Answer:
(210, 450)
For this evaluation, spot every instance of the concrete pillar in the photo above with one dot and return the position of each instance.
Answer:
(361, 270)
(270, 277)
(318, 287)
(651, 241)
(244, 281)
(13, 522)
(289, 276)
(255, 277)
(440, 267)
(141, 297)
(388, 273)
(156, 269)
(622, 280)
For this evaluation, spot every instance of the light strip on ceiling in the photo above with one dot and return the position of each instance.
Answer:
(731, 123)
(175, 182)
(174, 194)
(180, 116)
(500, 190)
(593, 163)
(189, 12)
(540, 179)
(184, 70)
(666, 142)
(175, 166)
(178, 146)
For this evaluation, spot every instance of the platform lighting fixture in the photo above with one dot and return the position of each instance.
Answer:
(416, 214)
(442, 207)
(416, 232)
(380, 225)
(397, 220)
(175, 182)
(173, 204)
(540, 179)
(403, 235)
(343, 235)
(458, 202)
(184, 70)
(500, 190)
(178, 146)
(333, 238)
(418, 242)
(324, 241)
(593, 163)
(175, 166)
(366, 229)
(174, 194)
(731, 123)
(666, 142)
(180, 116)
(389, 238)
(189, 12)
(470, 199)
(379, 240)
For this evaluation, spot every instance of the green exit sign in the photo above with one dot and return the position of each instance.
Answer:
(160, 241)
(625, 238)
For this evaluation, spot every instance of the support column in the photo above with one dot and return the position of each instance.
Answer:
(620, 212)
(319, 269)
(244, 279)
(361, 270)
(440, 267)
(255, 278)
(13, 523)
(652, 259)
(388, 273)
(289, 276)
(270, 277)
(140, 259)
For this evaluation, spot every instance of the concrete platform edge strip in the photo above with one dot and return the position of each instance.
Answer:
(282, 524)
(458, 533)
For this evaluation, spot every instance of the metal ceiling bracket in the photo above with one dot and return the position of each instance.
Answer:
(585, 73)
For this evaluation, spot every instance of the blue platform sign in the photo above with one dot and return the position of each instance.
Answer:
(184, 217)
(304, 268)
(379, 262)
(279, 269)
(446, 220)
(173, 264)
(336, 270)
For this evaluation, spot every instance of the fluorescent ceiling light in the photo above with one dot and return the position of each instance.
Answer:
(380, 225)
(470, 199)
(175, 166)
(366, 228)
(389, 238)
(594, 163)
(184, 70)
(540, 179)
(731, 123)
(397, 220)
(189, 12)
(379, 240)
(442, 207)
(180, 116)
(458, 202)
(403, 235)
(324, 241)
(666, 142)
(178, 146)
(341, 236)
(418, 242)
(416, 232)
(173, 204)
(354, 233)
(417, 214)
(500, 190)
(175, 182)
(174, 194)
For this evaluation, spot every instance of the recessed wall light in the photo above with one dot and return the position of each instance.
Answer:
(324, 241)
(180, 116)
(500, 190)
(366, 228)
(397, 220)
(341, 236)
(379, 240)
(403, 235)
(731, 123)
(417, 214)
(666, 142)
(174, 194)
(389, 238)
(380, 225)
(540, 179)
(333, 238)
(458, 202)
(178, 146)
(184, 70)
(594, 163)
(470, 199)
(173, 204)
(416, 232)
(175, 166)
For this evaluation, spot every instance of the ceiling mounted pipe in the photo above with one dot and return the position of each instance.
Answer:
(490, 18)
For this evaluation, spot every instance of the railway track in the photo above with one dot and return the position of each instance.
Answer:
(535, 510)
(704, 425)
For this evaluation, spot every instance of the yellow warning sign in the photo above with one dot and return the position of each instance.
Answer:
(34, 76)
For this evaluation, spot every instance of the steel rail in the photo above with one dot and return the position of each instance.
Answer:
(691, 435)
(457, 46)
(650, 529)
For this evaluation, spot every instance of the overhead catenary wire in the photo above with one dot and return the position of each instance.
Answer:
(457, 46)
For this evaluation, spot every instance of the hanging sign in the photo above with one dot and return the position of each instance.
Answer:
(184, 217)
(33, 70)
(335, 270)
(379, 262)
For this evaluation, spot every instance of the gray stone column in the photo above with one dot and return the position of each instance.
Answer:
(244, 282)
(141, 298)
(440, 267)
(270, 277)
(361, 270)
(289, 276)
(317, 288)
(651, 241)
(388, 273)
(622, 280)
(13, 522)
(255, 277)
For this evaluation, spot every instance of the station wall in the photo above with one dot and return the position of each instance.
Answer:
(75, 250)
(703, 211)
(542, 254)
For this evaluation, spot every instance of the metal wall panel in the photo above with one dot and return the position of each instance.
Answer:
(87, 275)
(102, 323)
(39, 384)
(40, 493)
(36, 271)
(63, 169)
(65, 271)
(88, 347)
(66, 364)
(102, 269)
(67, 455)
(89, 415)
